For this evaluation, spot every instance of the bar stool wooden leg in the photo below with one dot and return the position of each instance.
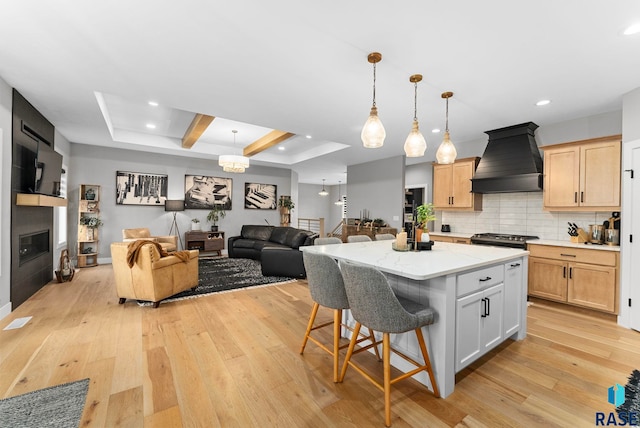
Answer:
(312, 318)
(352, 345)
(337, 324)
(427, 361)
(386, 357)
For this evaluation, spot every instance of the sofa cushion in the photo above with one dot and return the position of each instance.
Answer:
(256, 232)
(297, 238)
(244, 243)
(280, 235)
(259, 245)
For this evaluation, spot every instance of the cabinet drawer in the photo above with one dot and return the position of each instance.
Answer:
(570, 254)
(480, 279)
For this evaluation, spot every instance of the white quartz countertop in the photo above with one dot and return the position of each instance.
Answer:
(574, 245)
(452, 234)
(443, 259)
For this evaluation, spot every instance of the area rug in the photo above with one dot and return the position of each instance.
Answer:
(58, 406)
(631, 395)
(223, 274)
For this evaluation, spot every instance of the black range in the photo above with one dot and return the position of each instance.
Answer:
(503, 240)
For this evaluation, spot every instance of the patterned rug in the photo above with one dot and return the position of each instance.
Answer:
(58, 406)
(222, 274)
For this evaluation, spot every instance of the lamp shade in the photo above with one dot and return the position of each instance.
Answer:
(447, 151)
(373, 133)
(415, 145)
(233, 163)
(174, 205)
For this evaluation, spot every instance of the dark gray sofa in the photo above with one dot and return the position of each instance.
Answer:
(276, 247)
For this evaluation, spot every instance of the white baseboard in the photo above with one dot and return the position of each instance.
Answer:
(5, 310)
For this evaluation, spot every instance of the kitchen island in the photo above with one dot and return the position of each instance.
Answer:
(478, 293)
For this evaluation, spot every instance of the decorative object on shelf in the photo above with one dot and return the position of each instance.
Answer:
(139, 188)
(91, 222)
(446, 153)
(415, 144)
(195, 224)
(260, 196)
(90, 194)
(65, 270)
(339, 201)
(373, 133)
(87, 250)
(203, 192)
(174, 205)
(214, 215)
(323, 192)
(233, 163)
(286, 206)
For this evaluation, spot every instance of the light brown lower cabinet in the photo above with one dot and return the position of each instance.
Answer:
(581, 277)
(439, 238)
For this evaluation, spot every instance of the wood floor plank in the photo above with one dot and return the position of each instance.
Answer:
(232, 359)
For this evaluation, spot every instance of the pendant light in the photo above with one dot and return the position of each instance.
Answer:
(373, 133)
(447, 151)
(233, 163)
(415, 145)
(339, 201)
(323, 192)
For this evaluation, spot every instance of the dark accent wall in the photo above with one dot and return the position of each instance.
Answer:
(28, 278)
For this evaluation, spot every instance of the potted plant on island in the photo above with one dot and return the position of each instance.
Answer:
(195, 224)
(424, 214)
(214, 215)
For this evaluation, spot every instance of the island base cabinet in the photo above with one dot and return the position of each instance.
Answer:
(479, 324)
(512, 298)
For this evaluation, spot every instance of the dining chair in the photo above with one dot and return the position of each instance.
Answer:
(374, 305)
(384, 237)
(358, 238)
(327, 241)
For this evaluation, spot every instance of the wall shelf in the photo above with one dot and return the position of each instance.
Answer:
(33, 200)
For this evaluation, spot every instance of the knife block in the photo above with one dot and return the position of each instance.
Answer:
(581, 238)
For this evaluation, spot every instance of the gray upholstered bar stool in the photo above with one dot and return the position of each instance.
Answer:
(358, 238)
(327, 289)
(374, 305)
(384, 237)
(327, 241)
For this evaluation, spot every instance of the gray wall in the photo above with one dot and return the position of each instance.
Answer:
(378, 187)
(631, 116)
(313, 205)
(5, 194)
(85, 169)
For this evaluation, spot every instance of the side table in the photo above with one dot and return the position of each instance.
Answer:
(204, 241)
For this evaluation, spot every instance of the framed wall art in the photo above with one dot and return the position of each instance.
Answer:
(260, 196)
(203, 192)
(140, 188)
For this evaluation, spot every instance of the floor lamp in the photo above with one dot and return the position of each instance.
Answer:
(174, 205)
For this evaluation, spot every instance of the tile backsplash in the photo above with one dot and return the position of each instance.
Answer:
(520, 214)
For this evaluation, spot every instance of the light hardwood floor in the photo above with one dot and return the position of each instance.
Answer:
(231, 360)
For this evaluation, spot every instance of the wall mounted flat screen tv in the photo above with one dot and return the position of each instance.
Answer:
(48, 171)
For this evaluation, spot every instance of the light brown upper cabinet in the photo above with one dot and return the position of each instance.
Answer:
(583, 175)
(452, 186)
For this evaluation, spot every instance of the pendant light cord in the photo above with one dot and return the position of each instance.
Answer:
(374, 84)
(447, 115)
(415, 101)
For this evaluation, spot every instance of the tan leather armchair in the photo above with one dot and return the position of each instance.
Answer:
(169, 243)
(152, 278)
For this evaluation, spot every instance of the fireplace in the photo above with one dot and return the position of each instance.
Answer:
(32, 246)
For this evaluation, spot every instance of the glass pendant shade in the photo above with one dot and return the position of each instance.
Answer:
(447, 151)
(323, 192)
(373, 133)
(339, 201)
(415, 144)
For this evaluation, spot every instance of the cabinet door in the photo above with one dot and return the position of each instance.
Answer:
(561, 177)
(462, 173)
(548, 279)
(600, 175)
(492, 322)
(592, 286)
(468, 329)
(512, 298)
(442, 186)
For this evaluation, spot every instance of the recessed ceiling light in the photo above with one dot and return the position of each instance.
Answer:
(435, 130)
(151, 126)
(153, 103)
(308, 136)
(543, 102)
(281, 148)
(634, 29)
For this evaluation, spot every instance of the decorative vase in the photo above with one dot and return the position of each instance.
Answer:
(214, 228)
(195, 226)
(90, 194)
(425, 236)
(89, 234)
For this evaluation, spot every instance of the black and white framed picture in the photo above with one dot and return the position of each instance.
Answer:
(260, 196)
(141, 188)
(203, 192)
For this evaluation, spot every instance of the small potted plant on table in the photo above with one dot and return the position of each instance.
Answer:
(195, 224)
(424, 214)
(214, 215)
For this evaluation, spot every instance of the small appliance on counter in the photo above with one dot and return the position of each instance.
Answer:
(596, 233)
(445, 228)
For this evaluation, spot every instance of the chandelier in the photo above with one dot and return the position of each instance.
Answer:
(233, 163)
